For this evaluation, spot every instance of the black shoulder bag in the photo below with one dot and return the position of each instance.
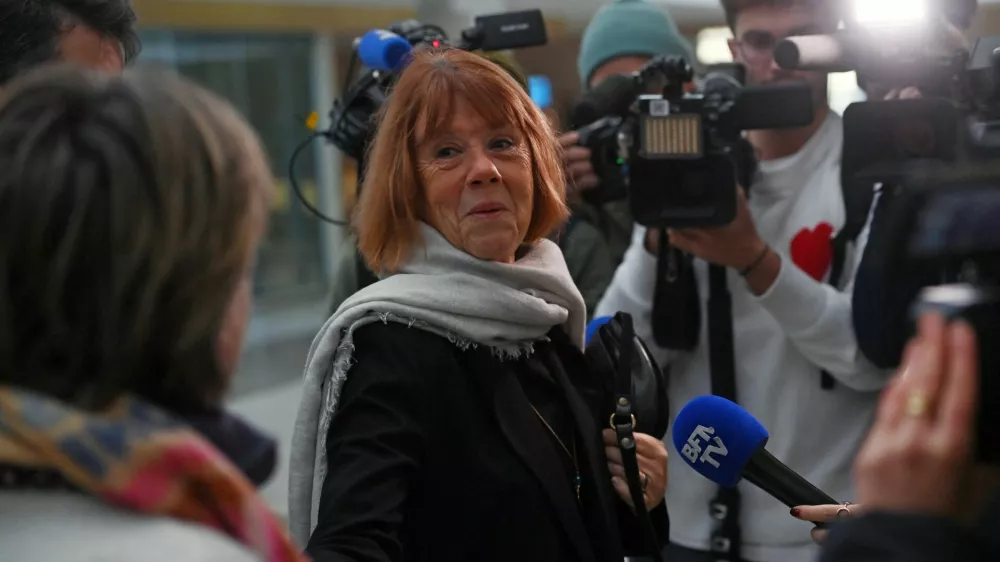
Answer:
(641, 405)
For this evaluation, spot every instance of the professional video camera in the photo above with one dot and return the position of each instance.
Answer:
(383, 54)
(678, 156)
(937, 158)
(894, 44)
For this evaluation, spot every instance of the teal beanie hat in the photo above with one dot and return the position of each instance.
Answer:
(629, 28)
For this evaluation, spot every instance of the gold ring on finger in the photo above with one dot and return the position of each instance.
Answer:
(918, 404)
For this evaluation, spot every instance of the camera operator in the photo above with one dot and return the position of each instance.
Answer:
(790, 328)
(924, 497)
(620, 39)
(99, 34)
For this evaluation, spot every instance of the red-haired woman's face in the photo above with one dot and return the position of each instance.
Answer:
(477, 185)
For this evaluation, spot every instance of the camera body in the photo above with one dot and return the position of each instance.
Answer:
(680, 156)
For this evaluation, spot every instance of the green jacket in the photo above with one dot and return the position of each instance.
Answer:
(590, 261)
(614, 222)
(594, 243)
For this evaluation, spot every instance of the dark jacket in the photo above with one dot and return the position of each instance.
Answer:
(435, 454)
(885, 287)
(883, 537)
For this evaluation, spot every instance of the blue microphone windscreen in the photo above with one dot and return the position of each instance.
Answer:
(541, 91)
(717, 437)
(383, 50)
(594, 325)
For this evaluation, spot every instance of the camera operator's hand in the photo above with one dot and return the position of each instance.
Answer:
(579, 172)
(736, 245)
(652, 458)
(918, 455)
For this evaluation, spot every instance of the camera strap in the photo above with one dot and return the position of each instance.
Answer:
(726, 540)
(676, 315)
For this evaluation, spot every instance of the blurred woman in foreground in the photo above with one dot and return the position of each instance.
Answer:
(922, 497)
(449, 412)
(130, 213)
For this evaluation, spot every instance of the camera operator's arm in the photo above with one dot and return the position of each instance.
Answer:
(815, 316)
(632, 290)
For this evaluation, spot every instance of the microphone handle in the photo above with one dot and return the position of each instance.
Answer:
(782, 483)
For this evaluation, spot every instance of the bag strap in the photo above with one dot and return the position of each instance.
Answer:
(623, 423)
(726, 542)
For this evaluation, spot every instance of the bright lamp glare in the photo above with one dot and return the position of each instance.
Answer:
(890, 12)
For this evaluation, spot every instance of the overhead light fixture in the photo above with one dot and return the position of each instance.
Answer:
(891, 13)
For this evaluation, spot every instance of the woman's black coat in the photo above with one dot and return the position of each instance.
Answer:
(435, 455)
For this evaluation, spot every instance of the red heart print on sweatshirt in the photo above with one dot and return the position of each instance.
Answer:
(812, 251)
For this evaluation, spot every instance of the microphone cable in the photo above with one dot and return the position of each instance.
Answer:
(351, 93)
(327, 134)
(295, 184)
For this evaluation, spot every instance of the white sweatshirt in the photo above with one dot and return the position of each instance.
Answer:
(783, 339)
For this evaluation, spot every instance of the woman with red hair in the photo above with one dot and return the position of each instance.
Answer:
(449, 412)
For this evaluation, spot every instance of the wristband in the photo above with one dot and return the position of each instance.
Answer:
(757, 261)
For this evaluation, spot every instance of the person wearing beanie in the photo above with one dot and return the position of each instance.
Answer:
(621, 38)
(797, 363)
(628, 29)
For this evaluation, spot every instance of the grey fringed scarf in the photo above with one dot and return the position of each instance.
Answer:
(443, 290)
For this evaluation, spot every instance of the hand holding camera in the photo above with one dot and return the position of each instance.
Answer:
(579, 171)
(736, 245)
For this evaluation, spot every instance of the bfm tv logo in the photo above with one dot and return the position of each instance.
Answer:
(703, 436)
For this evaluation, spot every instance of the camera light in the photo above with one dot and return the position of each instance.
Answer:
(671, 136)
(879, 13)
